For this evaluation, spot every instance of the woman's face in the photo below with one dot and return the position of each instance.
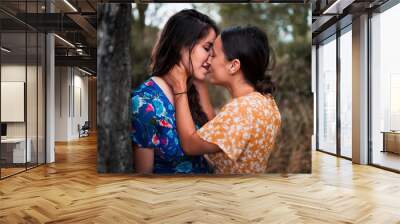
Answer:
(219, 70)
(200, 54)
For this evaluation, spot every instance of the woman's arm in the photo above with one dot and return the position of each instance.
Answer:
(144, 160)
(191, 142)
(205, 102)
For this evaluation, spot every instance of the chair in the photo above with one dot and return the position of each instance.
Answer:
(84, 130)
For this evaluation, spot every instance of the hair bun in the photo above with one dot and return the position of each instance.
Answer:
(265, 85)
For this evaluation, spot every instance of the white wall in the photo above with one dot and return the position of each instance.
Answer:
(13, 73)
(61, 103)
(80, 110)
(9, 73)
(71, 94)
(33, 126)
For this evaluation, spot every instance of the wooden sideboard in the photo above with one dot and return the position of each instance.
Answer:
(391, 141)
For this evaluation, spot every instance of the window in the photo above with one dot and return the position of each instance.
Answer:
(346, 92)
(22, 77)
(327, 96)
(385, 89)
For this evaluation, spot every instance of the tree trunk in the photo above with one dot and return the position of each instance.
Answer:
(114, 146)
(142, 16)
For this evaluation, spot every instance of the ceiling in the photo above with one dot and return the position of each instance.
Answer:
(330, 15)
(74, 22)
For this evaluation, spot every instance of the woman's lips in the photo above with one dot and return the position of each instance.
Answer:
(206, 67)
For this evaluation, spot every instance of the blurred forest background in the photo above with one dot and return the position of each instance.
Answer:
(288, 27)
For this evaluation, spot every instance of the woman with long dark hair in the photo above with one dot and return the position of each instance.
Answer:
(242, 135)
(187, 38)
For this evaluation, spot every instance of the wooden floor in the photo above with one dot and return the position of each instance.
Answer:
(70, 191)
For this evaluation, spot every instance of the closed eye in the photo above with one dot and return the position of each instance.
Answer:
(212, 54)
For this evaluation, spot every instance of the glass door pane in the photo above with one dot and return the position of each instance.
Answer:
(41, 98)
(13, 93)
(385, 89)
(346, 94)
(327, 96)
(31, 98)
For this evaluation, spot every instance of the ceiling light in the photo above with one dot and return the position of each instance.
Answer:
(337, 7)
(64, 40)
(331, 7)
(86, 72)
(5, 50)
(70, 5)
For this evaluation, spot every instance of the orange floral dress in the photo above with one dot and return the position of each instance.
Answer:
(245, 130)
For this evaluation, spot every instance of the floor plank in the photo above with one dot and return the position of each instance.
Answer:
(71, 191)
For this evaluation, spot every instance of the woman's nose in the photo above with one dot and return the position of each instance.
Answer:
(209, 57)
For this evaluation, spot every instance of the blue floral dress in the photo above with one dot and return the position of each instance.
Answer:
(154, 126)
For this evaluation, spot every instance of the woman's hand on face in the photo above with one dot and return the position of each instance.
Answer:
(177, 78)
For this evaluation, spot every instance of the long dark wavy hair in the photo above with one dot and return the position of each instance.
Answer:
(182, 30)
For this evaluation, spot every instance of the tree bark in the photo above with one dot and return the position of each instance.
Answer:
(114, 146)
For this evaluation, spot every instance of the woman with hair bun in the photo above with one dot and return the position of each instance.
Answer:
(241, 137)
